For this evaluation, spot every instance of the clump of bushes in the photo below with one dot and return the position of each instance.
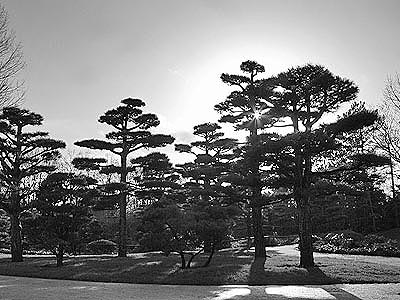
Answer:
(102, 247)
(350, 242)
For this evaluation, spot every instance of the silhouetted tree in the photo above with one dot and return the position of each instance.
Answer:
(23, 155)
(213, 155)
(303, 96)
(156, 179)
(173, 227)
(61, 209)
(131, 134)
(247, 109)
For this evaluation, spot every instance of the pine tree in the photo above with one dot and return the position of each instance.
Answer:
(213, 154)
(62, 208)
(157, 178)
(24, 155)
(131, 133)
(247, 108)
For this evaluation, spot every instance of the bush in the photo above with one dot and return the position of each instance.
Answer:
(102, 247)
(344, 243)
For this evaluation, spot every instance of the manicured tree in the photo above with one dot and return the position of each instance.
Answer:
(168, 227)
(213, 155)
(156, 179)
(61, 209)
(24, 154)
(304, 95)
(131, 133)
(187, 217)
(247, 109)
(171, 227)
(89, 232)
(318, 92)
(211, 223)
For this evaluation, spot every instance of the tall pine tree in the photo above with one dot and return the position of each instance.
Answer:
(131, 133)
(24, 155)
(247, 108)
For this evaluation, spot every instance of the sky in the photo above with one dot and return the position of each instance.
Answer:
(84, 56)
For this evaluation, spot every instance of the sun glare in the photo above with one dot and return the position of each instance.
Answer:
(257, 114)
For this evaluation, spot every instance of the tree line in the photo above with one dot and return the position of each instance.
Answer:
(290, 167)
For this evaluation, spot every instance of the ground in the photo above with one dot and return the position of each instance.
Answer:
(21, 288)
(229, 267)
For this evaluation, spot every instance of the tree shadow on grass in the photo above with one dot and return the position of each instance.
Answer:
(226, 267)
(287, 274)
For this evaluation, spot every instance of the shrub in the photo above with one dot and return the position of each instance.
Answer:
(102, 247)
(345, 243)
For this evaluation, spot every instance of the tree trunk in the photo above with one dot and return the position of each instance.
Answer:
(302, 198)
(207, 263)
(122, 248)
(256, 210)
(371, 208)
(256, 206)
(60, 255)
(248, 228)
(305, 243)
(193, 255)
(259, 244)
(183, 261)
(256, 185)
(122, 245)
(394, 198)
(15, 207)
(16, 239)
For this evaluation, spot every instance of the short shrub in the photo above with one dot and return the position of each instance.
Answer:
(102, 247)
(368, 245)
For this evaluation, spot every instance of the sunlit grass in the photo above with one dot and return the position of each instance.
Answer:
(228, 267)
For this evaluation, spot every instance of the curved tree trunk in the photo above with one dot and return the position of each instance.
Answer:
(193, 255)
(207, 263)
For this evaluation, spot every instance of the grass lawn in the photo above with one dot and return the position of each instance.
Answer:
(391, 234)
(228, 267)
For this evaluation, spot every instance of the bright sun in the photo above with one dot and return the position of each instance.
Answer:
(257, 114)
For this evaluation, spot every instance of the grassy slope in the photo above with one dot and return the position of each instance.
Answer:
(229, 267)
(391, 234)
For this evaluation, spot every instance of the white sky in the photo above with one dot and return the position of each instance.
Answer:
(85, 56)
